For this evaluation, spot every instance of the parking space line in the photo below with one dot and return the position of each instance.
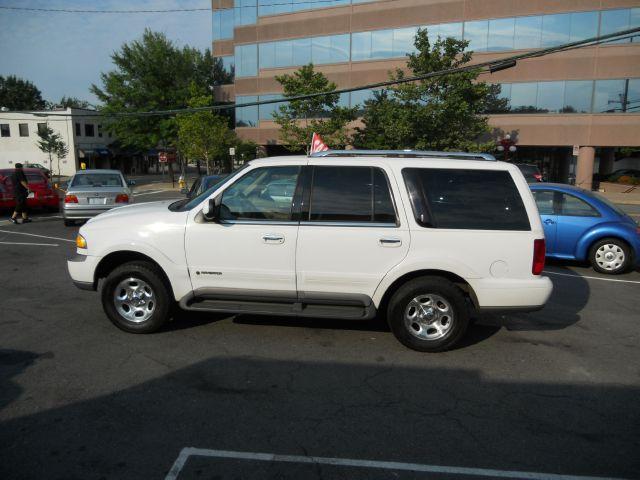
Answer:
(150, 193)
(592, 278)
(351, 462)
(40, 236)
(26, 243)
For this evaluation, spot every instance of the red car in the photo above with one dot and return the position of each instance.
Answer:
(41, 195)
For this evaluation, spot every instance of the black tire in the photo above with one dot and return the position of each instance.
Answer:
(69, 223)
(161, 295)
(424, 287)
(618, 247)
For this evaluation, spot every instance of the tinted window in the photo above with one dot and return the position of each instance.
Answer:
(261, 195)
(246, 57)
(550, 97)
(246, 116)
(97, 180)
(345, 194)
(465, 199)
(577, 96)
(524, 97)
(544, 201)
(573, 206)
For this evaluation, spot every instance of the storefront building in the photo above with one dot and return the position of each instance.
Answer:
(570, 112)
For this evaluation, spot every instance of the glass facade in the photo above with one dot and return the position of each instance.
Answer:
(246, 116)
(502, 34)
(246, 59)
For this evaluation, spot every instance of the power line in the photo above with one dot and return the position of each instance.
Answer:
(483, 67)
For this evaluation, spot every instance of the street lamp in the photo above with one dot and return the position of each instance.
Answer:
(506, 145)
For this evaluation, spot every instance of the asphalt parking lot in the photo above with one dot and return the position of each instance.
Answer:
(535, 395)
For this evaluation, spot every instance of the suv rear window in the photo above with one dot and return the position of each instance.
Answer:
(465, 199)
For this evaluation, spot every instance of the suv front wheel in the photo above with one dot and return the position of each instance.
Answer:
(428, 314)
(135, 298)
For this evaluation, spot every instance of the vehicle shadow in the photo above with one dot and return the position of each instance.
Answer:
(324, 409)
(12, 364)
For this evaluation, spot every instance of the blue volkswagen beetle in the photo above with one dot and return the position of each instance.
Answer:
(582, 225)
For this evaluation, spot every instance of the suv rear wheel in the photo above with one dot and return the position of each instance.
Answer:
(428, 314)
(135, 298)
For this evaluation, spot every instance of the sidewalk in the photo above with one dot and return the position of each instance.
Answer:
(620, 194)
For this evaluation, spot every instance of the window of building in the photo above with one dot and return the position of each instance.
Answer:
(574, 207)
(99, 130)
(302, 51)
(222, 24)
(265, 112)
(284, 53)
(246, 60)
(528, 32)
(465, 199)
(23, 129)
(345, 194)
(550, 98)
(330, 49)
(359, 98)
(612, 21)
(501, 34)
(78, 129)
(360, 46)
(403, 41)
(556, 29)
(42, 128)
(382, 44)
(89, 130)
(609, 96)
(444, 30)
(228, 65)
(246, 12)
(583, 25)
(524, 97)
(577, 96)
(4, 130)
(264, 194)
(246, 116)
(476, 32)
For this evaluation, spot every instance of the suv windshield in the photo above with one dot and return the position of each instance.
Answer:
(97, 180)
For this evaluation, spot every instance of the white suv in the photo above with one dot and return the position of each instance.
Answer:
(425, 238)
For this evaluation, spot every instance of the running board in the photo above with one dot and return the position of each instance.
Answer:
(262, 306)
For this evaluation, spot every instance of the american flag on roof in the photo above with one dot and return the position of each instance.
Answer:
(317, 145)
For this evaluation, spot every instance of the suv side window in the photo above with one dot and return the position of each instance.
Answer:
(253, 196)
(574, 207)
(350, 194)
(465, 199)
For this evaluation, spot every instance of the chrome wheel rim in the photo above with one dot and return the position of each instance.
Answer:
(134, 300)
(610, 257)
(428, 316)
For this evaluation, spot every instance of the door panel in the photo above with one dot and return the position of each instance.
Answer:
(576, 217)
(253, 245)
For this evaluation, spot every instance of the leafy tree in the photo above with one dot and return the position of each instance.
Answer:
(19, 94)
(152, 73)
(61, 151)
(298, 119)
(68, 102)
(204, 135)
(49, 143)
(440, 113)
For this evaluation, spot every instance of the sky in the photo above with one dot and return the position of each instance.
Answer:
(64, 53)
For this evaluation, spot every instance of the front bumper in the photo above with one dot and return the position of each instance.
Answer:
(82, 270)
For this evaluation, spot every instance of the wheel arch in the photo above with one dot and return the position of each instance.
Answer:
(589, 245)
(452, 277)
(120, 257)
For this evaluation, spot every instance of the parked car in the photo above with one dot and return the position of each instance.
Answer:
(39, 166)
(584, 226)
(92, 192)
(531, 172)
(204, 183)
(426, 237)
(42, 194)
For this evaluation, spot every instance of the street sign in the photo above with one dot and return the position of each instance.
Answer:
(232, 151)
(576, 150)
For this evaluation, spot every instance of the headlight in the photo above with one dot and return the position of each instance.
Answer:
(81, 242)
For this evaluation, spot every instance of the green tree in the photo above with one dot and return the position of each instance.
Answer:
(68, 102)
(61, 151)
(440, 113)
(204, 135)
(49, 143)
(19, 94)
(152, 73)
(298, 119)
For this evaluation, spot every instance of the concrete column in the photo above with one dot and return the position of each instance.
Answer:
(584, 168)
(607, 158)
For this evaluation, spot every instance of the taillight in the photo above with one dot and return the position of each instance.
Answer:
(70, 199)
(539, 252)
(122, 198)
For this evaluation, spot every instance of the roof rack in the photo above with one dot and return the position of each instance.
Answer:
(405, 154)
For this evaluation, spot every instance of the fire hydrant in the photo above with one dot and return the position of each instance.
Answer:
(181, 183)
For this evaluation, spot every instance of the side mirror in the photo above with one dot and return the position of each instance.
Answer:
(210, 210)
(131, 183)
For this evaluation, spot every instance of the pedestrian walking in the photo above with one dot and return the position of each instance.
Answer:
(20, 192)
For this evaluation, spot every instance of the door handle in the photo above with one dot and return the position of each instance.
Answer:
(548, 221)
(272, 238)
(390, 242)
